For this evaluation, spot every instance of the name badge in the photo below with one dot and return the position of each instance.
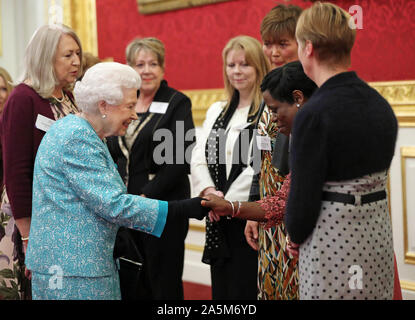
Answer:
(43, 123)
(158, 107)
(264, 143)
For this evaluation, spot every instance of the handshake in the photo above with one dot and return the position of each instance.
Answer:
(201, 207)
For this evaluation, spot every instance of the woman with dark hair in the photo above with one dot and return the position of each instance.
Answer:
(280, 46)
(285, 90)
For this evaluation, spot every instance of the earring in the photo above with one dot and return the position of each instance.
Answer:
(297, 105)
(104, 116)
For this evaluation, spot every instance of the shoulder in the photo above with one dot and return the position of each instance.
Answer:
(70, 130)
(212, 113)
(23, 93)
(215, 109)
(24, 102)
(310, 117)
(166, 93)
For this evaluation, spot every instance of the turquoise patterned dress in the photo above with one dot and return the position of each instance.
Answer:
(79, 202)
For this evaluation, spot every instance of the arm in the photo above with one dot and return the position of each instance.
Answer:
(222, 207)
(101, 190)
(274, 206)
(170, 172)
(18, 156)
(308, 160)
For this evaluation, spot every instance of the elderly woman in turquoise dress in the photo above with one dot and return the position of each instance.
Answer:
(79, 198)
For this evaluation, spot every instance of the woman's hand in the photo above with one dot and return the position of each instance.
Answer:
(220, 207)
(211, 190)
(251, 234)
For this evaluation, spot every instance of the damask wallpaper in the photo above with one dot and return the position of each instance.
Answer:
(194, 37)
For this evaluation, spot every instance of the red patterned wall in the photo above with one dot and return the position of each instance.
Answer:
(194, 38)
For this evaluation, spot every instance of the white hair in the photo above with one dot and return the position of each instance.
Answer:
(104, 82)
(40, 55)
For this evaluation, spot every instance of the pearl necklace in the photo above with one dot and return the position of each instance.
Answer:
(61, 99)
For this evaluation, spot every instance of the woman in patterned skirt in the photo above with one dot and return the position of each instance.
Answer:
(280, 47)
(343, 141)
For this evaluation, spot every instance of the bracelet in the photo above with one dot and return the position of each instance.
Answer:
(233, 207)
(25, 239)
(238, 211)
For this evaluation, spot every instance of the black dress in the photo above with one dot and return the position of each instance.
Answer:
(156, 167)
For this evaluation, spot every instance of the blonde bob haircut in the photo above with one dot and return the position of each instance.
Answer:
(330, 29)
(280, 21)
(153, 45)
(40, 58)
(255, 57)
(7, 80)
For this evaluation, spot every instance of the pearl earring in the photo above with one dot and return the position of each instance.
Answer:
(297, 105)
(104, 116)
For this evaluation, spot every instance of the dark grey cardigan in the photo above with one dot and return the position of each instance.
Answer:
(346, 130)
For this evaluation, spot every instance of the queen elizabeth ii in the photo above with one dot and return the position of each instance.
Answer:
(79, 199)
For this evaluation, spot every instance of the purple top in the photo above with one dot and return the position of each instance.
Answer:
(20, 140)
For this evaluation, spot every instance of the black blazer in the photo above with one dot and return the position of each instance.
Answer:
(345, 130)
(171, 179)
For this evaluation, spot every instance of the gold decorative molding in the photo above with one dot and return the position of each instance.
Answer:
(407, 285)
(81, 16)
(193, 247)
(202, 100)
(400, 94)
(406, 152)
(154, 6)
(197, 227)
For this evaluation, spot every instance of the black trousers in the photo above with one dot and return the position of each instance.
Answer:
(161, 276)
(236, 277)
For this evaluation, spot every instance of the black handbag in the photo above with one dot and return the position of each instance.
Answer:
(130, 263)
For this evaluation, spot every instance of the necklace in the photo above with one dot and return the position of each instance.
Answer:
(61, 99)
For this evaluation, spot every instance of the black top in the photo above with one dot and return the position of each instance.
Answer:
(170, 181)
(346, 130)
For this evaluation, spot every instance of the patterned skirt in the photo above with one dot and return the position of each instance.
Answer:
(277, 270)
(349, 255)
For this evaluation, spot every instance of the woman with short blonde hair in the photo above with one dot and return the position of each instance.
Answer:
(343, 142)
(332, 44)
(159, 108)
(152, 44)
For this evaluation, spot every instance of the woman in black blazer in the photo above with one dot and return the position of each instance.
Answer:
(151, 160)
(342, 145)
